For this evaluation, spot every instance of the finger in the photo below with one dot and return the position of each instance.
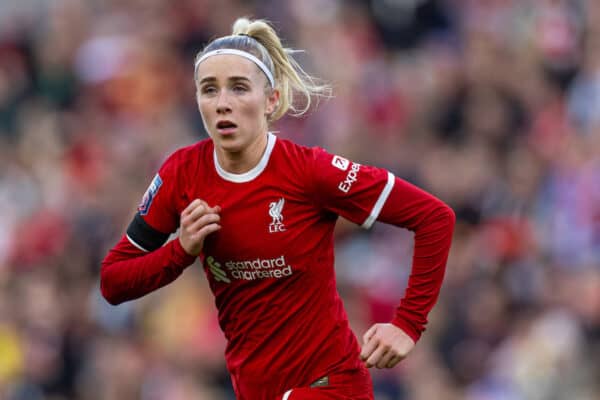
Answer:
(196, 213)
(208, 208)
(206, 219)
(368, 348)
(194, 207)
(203, 208)
(369, 333)
(376, 356)
(385, 359)
(188, 221)
(394, 361)
(207, 230)
(190, 207)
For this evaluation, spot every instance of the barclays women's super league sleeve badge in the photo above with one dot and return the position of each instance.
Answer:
(144, 206)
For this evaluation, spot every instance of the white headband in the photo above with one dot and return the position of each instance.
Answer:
(240, 53)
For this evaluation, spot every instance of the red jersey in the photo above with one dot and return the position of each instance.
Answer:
(271, 265)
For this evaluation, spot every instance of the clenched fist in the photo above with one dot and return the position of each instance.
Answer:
(385, 345)
(198, 220)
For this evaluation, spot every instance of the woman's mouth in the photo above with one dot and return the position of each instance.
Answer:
(226, 127)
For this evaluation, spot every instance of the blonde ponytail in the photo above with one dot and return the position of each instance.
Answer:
(260, 39)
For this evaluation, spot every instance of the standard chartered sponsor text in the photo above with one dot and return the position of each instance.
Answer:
(258, 268)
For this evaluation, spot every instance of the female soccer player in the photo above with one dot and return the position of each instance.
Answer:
(260, 212)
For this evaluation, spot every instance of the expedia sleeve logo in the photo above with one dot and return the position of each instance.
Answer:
(340, 163)
(352, 177)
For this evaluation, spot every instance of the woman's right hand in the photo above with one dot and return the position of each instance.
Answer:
(198, 220)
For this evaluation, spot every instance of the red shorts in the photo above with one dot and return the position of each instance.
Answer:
(351, 385)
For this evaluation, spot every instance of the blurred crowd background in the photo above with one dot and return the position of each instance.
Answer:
(492, 105)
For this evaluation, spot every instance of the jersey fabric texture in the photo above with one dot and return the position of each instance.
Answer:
(271, 265)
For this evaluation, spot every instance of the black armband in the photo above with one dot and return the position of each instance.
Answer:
(144, 235)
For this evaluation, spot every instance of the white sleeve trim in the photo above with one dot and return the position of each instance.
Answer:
(135, 244)
(287, 394)
(380, 202)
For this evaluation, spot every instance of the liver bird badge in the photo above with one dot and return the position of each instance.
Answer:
(275, 211)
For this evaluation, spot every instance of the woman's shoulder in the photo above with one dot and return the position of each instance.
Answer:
(192, 151)
(189, 154)
(294, 150)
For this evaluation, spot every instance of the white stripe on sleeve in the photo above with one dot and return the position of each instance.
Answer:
(380, 202)
(286, 395)
(135, 244)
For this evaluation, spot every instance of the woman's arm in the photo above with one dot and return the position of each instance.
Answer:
(128, 272)
(432, 221)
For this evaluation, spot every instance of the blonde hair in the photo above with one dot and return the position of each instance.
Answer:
(259, 38)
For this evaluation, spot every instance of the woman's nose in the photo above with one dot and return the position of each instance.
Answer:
(223, 104)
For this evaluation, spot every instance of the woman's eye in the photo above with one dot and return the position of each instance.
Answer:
(240, 88)
(208, 89)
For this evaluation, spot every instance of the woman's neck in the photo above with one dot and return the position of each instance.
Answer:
(243, 161)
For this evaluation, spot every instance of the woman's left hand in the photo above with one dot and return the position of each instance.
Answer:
(385, 345)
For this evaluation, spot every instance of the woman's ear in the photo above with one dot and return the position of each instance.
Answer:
(272, 101)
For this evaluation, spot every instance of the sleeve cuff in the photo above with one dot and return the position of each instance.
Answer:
(407, 328)
(180, 257)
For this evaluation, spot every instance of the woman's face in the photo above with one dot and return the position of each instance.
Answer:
(234, 100)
